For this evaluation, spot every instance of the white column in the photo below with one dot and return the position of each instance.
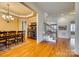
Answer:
(40, 27)
(25, 26)
(77, 28)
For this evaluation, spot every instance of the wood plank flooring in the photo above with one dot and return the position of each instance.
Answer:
(44, 49)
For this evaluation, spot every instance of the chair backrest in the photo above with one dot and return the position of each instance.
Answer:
(3, 34)
(20, 32)
(11, 33)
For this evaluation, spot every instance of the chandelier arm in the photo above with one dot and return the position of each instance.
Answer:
(8, 12)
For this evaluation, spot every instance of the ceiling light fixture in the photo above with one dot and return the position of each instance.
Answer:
(8, 17)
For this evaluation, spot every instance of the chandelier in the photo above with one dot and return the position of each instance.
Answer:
(7, 17)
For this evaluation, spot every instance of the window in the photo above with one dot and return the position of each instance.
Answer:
(73, 27)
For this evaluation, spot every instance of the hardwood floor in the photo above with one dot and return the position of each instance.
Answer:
(44, 49)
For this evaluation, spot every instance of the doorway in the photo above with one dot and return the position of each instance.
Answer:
(72, 34)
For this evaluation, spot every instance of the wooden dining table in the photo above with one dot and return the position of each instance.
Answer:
(11, 37)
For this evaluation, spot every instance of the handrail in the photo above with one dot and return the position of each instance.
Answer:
(48, 25)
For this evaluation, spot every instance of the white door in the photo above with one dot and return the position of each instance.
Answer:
(72, 37)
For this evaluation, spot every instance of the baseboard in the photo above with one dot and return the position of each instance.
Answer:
(39, 41)
(51, 41)
(62, 38)
(75, 52)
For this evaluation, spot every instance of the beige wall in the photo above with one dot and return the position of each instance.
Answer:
(32, 19)
(11, 26)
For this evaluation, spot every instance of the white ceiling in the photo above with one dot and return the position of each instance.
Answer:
(55, 8)
(16, 8)
(52, 8)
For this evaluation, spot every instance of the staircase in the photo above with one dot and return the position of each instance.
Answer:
(50, 32)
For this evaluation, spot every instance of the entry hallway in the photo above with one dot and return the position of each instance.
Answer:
(44, 49)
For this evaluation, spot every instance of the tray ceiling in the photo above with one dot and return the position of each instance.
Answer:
(16, 8)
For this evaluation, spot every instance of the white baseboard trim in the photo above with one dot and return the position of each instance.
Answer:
(39, 41)
(62, 38)
(77, 53)
(54, 41)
